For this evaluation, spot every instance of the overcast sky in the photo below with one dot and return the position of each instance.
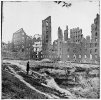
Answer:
(29, 16)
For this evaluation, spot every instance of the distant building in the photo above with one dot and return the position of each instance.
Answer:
(37, 47)
(72, 47)
(19, 40)
(76, 35)
(46, 37)
(22, 43)
(55, 46)
(66, 34)
(60, 42)
(28, 45)
(75, 49)
(95, 40)
(49, 51)
(79, 49)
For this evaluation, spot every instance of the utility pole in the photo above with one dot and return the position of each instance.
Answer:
(1, 18)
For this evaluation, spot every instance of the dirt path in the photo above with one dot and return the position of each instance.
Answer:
(50, 83)
(30, 86)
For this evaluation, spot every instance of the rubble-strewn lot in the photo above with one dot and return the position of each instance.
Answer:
(12, 88)
(68, 81)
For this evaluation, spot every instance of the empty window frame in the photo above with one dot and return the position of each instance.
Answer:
(68, 50)
(79, 56)
(85, 56)
(96, 28)
(67, 56)
(90, 45)
(47, 36)
(85, 44)
(74, 56)
(96, 34)
(95, 44)
(46, 23)
(95, 39)
(95, 50)
(22, 33)
(90, 50)
(95, 55)
(81, 36)
(85, 50)
(90, 56)
(60, 55)
(47, 41)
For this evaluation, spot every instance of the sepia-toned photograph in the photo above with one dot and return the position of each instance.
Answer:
(50, 49)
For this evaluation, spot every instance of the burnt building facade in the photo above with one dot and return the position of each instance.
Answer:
(46, 37)
(60, 43)
(28, 49)
(22, 43)
(95, 39)
(37, 47)
(66, 34)
(74, 49)
(19, 40)
(48, 50)
(82, 50)
(30, 46)
(76, 35)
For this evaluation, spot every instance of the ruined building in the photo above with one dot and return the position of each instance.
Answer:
(82, 50)
(95, 39)
(60, 42)
(22, 43)
(47, 48)
(66, 34)
(37, 47)
(76, 35)
(46, 37)
(74, 49)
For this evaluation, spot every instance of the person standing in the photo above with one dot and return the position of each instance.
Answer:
(27, 68)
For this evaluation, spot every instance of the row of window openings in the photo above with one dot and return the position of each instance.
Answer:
(77, 40)
(28, 49)
(90, 45)
(23, 42)
(38, 56)
(96, 28)
(74, 56)
(19, 34)
(80, 56)
(37, 53)
(77, 32)
(96, 34)
(27, 52)
(50, 56)
(19, 46)
(77, 36)
(18, 41)
(91, 50)
(80, 50)
(36, 49)
(85, 43)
